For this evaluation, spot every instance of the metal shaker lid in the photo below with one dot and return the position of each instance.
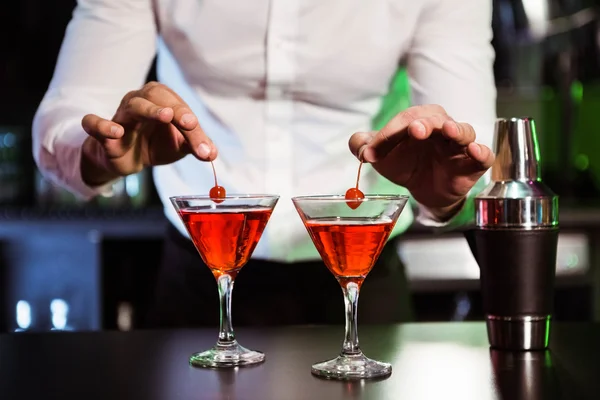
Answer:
(516, 197)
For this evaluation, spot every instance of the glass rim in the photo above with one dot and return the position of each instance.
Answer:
(342, 198)
(227, 197)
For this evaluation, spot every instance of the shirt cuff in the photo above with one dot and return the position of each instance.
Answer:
(67, 149)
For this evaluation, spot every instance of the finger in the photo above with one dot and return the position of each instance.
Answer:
(359, 141)
(183, 119)
(481, 154)
(187, 123)
(422, 128)
(139, 109)
(101, 128)
(401, 121)
(461, 133)
(396, 130)
(159, 94)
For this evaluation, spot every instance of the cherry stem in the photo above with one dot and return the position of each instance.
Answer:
(358, 175)
(214, 173)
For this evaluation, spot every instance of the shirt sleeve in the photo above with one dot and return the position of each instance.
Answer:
(450, 63)
(107, 51)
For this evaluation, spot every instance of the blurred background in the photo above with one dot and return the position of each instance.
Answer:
(69, 265)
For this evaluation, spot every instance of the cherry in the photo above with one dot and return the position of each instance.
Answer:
(217, 193)
(354, 194)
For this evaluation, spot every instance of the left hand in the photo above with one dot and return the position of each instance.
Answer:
(427, 152)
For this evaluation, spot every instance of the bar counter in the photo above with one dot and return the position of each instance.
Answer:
(430, 361)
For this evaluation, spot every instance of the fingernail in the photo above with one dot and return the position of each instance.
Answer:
(187, 118)
(114, 130)
(160, 111)
(204, 150)
(476, 150)
(418, 127)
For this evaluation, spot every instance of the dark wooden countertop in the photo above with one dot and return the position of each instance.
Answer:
(430, 361)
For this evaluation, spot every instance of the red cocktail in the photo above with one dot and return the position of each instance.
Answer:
(225, 234)
(225, 240)
(349, 247)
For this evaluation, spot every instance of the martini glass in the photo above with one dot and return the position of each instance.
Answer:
(350, 238)
(225, 233)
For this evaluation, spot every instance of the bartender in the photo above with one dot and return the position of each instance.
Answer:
(273, 92)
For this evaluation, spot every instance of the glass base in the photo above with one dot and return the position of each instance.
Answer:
(352, 368)
(226, 356)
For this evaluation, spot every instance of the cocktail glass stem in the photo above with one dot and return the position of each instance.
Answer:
(351, 363)
(351, 347)
(227, 352)
(226, 334)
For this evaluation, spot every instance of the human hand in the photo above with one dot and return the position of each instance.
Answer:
(427, 152)
(152, 126)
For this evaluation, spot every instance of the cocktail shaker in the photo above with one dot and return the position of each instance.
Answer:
(516, 238)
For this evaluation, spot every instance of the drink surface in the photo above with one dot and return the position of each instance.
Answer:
(225, 238)
(349, 247)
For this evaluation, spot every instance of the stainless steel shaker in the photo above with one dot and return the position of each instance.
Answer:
(516, 239)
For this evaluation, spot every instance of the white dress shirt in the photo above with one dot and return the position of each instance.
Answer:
(279, 86)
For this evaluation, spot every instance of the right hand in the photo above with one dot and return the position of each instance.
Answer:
(152, 126)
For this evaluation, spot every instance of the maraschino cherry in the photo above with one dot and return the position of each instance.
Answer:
(217, 193)
(355, 193)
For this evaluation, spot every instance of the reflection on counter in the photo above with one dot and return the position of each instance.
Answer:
(525, 375)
